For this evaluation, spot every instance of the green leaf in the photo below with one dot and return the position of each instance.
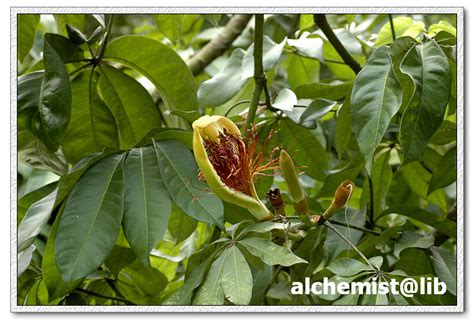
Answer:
(236, 277)
(180, 174)
(77, 21)
(211, 291)
(131, 105)
(91, 220)
(92, 126)
(213, 19)
(26, 33)
(403, 26)
(171, 25)
(180, 225)
(376, 98)
(147, 203)
(304, 147)
(441, 224)
(35, 219)
(160, 64)
(445, 134)
(348, 267)
(428, 68)
(414, 262)
(270, 253)
(225, 84)
(308, 116)
(119, 258)
(441, 26)
(333, 91)
(346, 170)
(302, 71)
(444, 264)
(411, 239)
(445, 173)
(271, 54)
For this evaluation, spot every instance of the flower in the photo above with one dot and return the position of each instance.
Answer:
(229, 163)
(341, 197)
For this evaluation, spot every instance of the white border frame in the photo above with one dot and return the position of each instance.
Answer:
(459, 11)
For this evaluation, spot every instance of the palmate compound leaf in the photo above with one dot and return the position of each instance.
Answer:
(428, 68)
(376, 98)
(147, 203)
(91, 219)
(180, 175)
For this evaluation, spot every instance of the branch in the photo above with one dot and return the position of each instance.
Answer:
(104, 296)
(217, 46)
(323, 24)
(258, 74)
(371, 213)
(392, 27)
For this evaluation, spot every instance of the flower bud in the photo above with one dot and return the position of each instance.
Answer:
(295, 191)
(341, 197)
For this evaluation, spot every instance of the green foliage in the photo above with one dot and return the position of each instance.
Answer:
(107, 105)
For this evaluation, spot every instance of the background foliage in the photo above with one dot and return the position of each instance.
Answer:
(110, 206)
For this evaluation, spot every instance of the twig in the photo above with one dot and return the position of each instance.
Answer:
(330, 226)
(103, 46)
(217, 46)
(371, 213)
(358, 228)
(323, 24)
(392, 27)
(111, 283)
(104, 296)
(258, 70)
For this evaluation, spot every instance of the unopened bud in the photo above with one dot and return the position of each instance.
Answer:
(341, 197)
(295, 191)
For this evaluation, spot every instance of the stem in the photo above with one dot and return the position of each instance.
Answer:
(234, 106)
(111, 283)
(358, 228)
(330, 226)
(104, 296)
(258, 70)
(321, 21)
(80, 68)
(371, 213)
(217, 46)
(392, 27)
(108, 28)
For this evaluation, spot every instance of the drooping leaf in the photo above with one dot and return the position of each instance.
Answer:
(24, 259)
(444, 264)
(180, 225)
(211, 291)
(302, 70)
(270, 253)
(67, 50)
(160, 64)
(348, 267)
(180, 174)
(403, 26)
(171, 25)
(131, 105)
(35, 219)
(92, 126)
(147, 203)
(225, 84)
(428, 68)
(410, 239)
(285, 100)
(236, 277)
(332, 91)
(443, 225)
(27, 24)
(48, 110)
(376, 98)
(445, 173)
(343, 130)
(305, 149)
(27, 200)
(271, 54)
(91, 219)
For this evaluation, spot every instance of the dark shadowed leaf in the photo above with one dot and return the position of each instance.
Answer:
(91, 220)
(445, 172)
(147, 203)
(180, 174)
